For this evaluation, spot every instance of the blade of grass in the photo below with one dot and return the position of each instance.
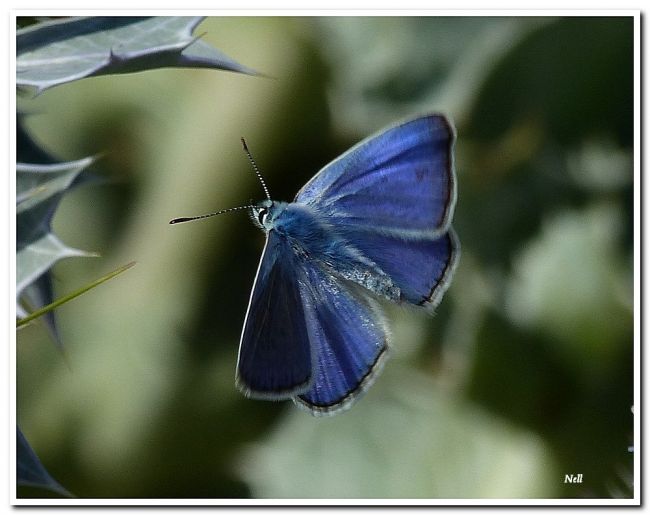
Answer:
(70, 296)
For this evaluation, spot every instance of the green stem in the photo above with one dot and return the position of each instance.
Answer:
(70, 296)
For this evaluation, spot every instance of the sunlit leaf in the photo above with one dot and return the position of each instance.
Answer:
(569, 273)
(404, 440)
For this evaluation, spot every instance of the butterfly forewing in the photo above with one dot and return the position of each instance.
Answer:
(275, 358)
(400, 181)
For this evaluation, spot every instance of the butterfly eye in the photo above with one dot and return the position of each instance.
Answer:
(261, 216)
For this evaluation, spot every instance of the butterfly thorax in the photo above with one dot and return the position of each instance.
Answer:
(296, 222)
(313, 238)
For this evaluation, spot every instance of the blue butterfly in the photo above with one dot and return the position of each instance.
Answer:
(374, 223)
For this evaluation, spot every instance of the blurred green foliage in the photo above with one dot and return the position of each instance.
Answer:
(524, 375)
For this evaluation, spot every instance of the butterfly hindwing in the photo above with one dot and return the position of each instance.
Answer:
(400, 181)
(349, 339)
(421, 268)
(275, 360)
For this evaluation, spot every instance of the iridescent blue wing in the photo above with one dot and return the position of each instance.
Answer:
(275, 360)
(391, 197)
(421, 268)
(399, 182)
(348, 336)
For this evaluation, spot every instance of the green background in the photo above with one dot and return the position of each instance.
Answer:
(524, 374)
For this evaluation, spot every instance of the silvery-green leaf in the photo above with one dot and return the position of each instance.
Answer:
(39, 188)
(39, 293)
(56, 52)
(35, 258)
(38, 183)
(29, 469)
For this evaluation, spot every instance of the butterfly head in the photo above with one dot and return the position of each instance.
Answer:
(265, 213)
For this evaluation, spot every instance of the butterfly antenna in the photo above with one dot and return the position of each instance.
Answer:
(257, 172)
(191, 218)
